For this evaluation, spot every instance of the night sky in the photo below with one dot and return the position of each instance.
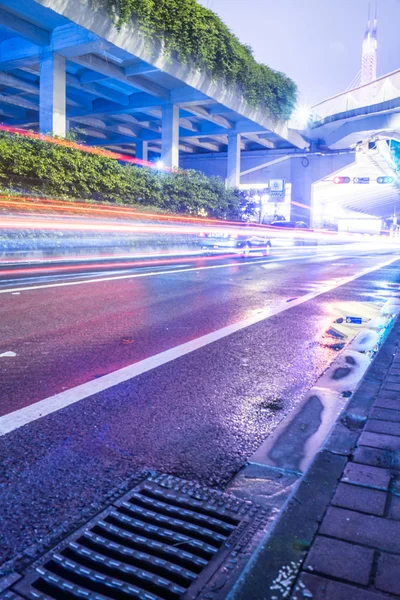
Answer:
(316, 42)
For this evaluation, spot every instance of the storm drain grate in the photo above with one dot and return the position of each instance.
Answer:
(166, 539)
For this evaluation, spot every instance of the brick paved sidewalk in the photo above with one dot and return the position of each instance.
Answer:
(339, 536)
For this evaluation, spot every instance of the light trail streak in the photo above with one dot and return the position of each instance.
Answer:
(82, 147)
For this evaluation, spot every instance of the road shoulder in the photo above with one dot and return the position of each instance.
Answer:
(338, 534)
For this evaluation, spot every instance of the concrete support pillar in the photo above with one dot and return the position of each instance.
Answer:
(142, 150)
(302, 178)
(233, 163)
(52, 94)
(170, 136)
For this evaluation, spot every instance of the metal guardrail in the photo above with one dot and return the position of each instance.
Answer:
(381, 90)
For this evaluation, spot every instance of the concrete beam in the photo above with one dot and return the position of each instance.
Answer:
(170, 135)
(130, 119)
(70, 41)
(14, 112)
(202, 112)
(105, 128)
(109, 69)
(187, 124)
(98, 90)
(19, 101)
(89, 76)
(28, 31)
(52, 110)
(142, 150)
(15, 54)
(18, 83)
(186, 148)
(78, 100)
(200, 144)
(137, 103)
(259, 140)
(141, 68)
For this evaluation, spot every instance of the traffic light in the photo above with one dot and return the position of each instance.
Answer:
(341, 180)
(385, 180)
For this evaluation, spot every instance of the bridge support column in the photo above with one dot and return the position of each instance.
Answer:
(142, 150)
(52, 108)
(233, 163)
(170, 135)
(302, 178)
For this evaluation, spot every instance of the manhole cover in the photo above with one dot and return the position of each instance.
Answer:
(166, 539)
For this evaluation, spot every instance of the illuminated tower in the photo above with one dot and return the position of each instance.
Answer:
(369, 48)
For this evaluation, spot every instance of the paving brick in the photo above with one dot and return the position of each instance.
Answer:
(392, 378)
(326, 589)
(382, 427)
(394, 507)
(383, 534)
(373, 477)
(359, 498)
(393, 403)
(379, 457)
(340, 559)
(341, 440)
(387, 576)
(388, 395)
(394, 387)
(379, 440)
(385, 414)
(366, 392)
(379, 372)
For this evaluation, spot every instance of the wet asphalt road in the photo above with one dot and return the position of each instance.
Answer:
(200, 416)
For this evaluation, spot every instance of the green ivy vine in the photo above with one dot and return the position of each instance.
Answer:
(198, 36)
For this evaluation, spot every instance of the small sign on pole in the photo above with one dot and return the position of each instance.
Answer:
(276, 188)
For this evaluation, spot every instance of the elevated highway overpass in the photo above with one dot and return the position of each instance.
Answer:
(65, 65)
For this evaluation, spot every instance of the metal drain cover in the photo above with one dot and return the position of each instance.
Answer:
(166, 539)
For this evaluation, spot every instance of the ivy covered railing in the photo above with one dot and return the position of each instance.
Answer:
(199, 37)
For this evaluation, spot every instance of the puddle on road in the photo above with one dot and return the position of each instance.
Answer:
(277, 465)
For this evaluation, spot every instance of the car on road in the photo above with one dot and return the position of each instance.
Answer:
(235, 243)
(299, 233)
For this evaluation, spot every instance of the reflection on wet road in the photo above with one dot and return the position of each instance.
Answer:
(199, 416)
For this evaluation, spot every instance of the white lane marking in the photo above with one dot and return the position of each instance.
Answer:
(9, 354)
(154, 273)
(54, 403)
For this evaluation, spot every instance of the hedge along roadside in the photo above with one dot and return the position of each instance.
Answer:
(39, 168)
(199, 37)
